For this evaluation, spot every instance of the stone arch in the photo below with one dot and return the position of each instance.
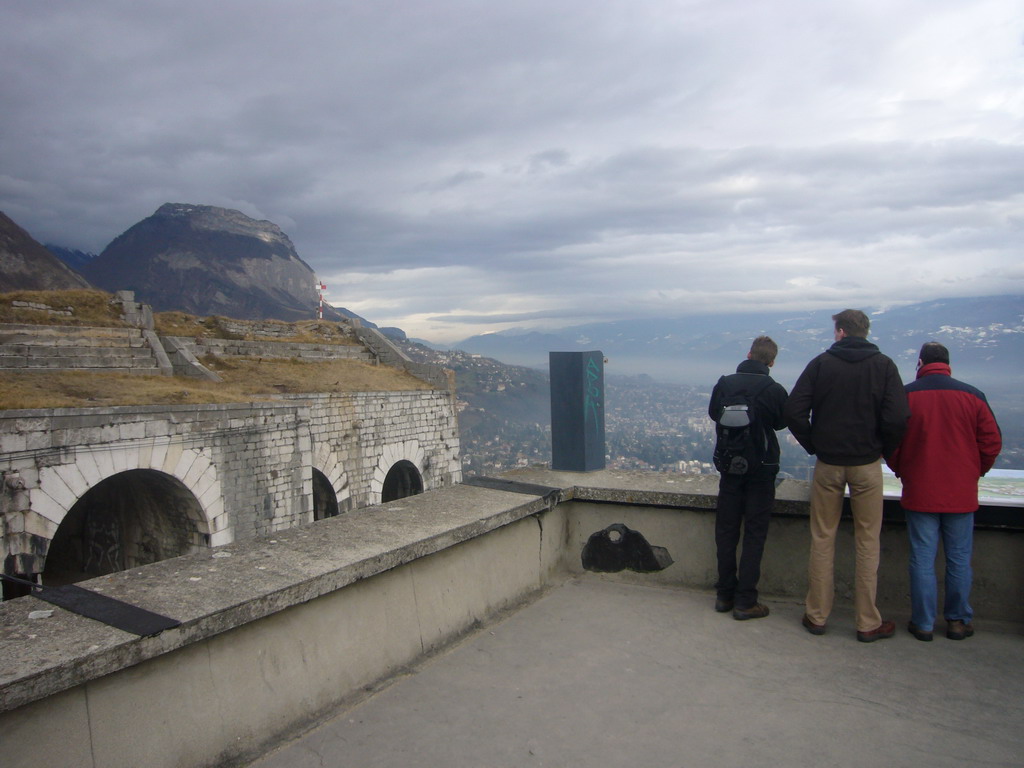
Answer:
(325, 500)
(408, 457)
(60, 486)
(334, 479)
(130, 519)
(402, 480)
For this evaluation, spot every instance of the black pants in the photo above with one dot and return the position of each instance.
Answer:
(746, 503)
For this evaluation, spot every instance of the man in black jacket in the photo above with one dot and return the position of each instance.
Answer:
(746, 494)
(849, 409)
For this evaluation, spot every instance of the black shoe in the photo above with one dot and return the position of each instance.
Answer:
(722, 605)
(756, 611)
(958, 630)
(920, 634)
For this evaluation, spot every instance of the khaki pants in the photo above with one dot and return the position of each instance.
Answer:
(830, 482)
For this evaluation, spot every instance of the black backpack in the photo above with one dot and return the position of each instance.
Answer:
(742, 440)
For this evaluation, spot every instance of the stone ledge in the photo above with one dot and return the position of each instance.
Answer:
(216, 591)
(653, 489)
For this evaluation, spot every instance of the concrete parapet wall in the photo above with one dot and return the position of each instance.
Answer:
(274, 632)
(277, 632)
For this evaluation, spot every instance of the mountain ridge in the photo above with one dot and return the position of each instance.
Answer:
(206, 260)
(25, 265)
(985, 336)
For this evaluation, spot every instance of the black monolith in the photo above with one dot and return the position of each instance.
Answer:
(577, 411)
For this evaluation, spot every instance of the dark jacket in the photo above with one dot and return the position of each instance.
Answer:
(848, 406)
(952, 439)
(750, 375)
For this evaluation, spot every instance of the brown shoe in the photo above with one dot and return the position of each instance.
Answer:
(958, 630)
(884, 630)
(756, 611)
(814, 629)
(920, 634)
(723, 606)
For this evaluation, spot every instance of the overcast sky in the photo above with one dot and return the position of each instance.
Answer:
(457, 166)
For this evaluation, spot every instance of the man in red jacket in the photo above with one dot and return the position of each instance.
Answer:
(952, 439)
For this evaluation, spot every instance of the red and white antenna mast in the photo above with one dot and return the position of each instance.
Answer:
(320, 288)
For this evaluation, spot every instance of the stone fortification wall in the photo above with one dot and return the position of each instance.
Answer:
(221, 472)
(99, 491)
(358, 437)
(239, 470)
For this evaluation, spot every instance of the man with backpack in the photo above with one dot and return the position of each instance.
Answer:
(848, 409)
(746, 407)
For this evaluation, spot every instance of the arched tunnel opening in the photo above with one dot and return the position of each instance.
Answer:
(134, 518)
(325, 500)
(402, 480)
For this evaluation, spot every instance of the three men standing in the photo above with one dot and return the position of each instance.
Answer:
(848, 408)
(952, 439)
(746, 407)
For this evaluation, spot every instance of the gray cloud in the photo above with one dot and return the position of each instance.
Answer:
(457, 166)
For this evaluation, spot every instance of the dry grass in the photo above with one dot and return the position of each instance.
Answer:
(89, 307)
(95, 308)
(215, 327)
(179, 324)
(275, 375)
(245, 380)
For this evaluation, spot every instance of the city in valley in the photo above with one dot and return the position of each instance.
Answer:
(504, 420)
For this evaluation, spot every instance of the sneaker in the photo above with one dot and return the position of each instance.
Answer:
(920, 634)
(810, 626)
(756, 611)
(958, 630)
(884, 630)
(722, 605)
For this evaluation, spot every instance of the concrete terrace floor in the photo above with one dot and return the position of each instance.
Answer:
(599, 672)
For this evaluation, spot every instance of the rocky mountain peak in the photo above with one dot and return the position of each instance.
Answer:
(25, 265)
(212, 219)
(208, 261)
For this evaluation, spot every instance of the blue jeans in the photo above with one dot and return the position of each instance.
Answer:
(957, 531)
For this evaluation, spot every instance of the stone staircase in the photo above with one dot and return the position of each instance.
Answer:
(73, 348)
(305, 352)
(138, 350)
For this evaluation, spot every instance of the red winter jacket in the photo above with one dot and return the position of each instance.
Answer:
(952, 439)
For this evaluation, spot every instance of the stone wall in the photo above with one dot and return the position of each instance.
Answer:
(358, 437)
(237, 471)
